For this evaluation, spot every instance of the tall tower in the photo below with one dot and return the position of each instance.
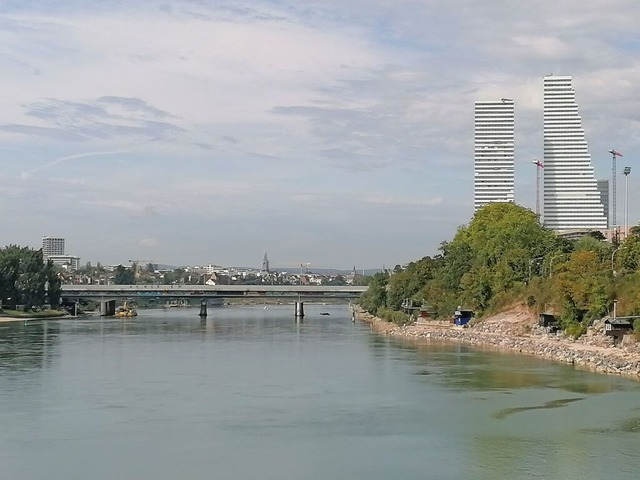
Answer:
(265, 263)
(493, 172)
(571, 196)
(52, 246)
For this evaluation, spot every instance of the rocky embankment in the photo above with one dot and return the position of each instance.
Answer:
(517, 331)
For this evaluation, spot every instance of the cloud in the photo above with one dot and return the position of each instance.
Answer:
(336, 117)
(107, 118)
(70, 157)
(148, 242)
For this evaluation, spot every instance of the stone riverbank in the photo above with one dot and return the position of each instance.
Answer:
(516, 330)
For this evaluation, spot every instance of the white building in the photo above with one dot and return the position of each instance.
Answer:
(70, 263)
(493, 172)
(571, 196)
(52, 246)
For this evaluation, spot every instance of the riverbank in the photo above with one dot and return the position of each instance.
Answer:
(20, 316)
(516, 331)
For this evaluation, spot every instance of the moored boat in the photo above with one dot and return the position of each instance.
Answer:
(126, 311)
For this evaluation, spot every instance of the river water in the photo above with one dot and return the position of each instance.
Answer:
(251, 393)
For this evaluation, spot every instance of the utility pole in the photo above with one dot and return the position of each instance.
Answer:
(538, 165)
(626, 171)
(614, 154)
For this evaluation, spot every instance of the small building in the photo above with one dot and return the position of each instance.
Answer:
(548, 321)
(462, 317)
(427, 311)
(70, 263)
(617, 327)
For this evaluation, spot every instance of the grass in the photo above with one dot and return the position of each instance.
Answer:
(39, 314)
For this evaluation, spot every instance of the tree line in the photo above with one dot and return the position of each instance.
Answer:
(504, 255)
(27, 280)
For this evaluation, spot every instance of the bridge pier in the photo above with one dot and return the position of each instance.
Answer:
(299, 309)
(203, 308)
(107, 308)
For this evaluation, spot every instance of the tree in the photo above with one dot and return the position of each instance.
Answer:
(597, 234)
(376, 295)
(494, 252)
(635, 231)
(628, 255)
(24, 276)
(9, 273)
(124, 276)
(54, 285)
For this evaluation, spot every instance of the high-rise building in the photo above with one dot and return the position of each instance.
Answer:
(265, 263)
(603, 188)
(493, 172)
(571, 198)
(52, 246)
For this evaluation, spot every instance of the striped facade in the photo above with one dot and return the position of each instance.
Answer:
(571, 198)
(493, 152)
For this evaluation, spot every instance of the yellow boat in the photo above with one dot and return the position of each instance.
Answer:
(125, 311)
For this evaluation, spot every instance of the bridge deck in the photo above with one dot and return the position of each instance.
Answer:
(208, 291)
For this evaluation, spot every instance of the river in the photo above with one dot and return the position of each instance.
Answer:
(252, 394)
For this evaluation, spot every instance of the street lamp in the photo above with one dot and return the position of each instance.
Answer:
(613, 254)
(551, 262)
(626, 171)
(531, 263)
(538, 165)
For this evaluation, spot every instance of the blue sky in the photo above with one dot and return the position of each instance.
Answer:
(323, 132)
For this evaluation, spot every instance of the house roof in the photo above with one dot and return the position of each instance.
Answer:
(621, 321)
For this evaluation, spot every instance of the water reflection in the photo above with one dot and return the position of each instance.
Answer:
(28, 345)
(550, 404)
(463, 367)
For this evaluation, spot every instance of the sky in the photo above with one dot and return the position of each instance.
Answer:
(334, 133)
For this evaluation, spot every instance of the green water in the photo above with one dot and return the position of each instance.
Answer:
(251, 393)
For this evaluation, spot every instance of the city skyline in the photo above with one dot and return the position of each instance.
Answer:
(329, 133)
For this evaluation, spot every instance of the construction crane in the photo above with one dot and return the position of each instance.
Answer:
(614, 154)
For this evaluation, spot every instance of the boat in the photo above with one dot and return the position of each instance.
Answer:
(126, 311)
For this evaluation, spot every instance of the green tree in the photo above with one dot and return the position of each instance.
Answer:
(627, 258)
(9, 273)
(495, 252)
(23, 277)
(376, 295)
(54, 284)
(124, 276)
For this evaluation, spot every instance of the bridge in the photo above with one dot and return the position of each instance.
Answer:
(96, 292)
(108, 294)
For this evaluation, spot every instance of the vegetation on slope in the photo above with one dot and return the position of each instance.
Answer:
(504, 256)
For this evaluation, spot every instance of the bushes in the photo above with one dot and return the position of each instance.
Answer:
(575, 329)
(394, 316)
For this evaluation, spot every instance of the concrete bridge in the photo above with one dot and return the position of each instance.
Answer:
(108, 294)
